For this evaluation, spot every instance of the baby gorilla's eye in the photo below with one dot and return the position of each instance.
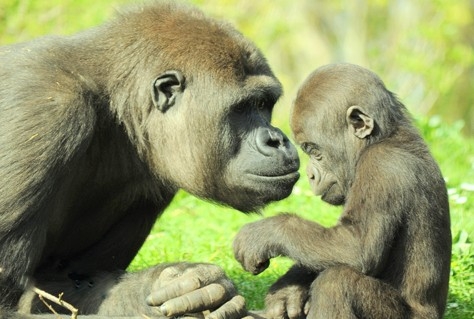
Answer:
(312, 150)
(306, 148)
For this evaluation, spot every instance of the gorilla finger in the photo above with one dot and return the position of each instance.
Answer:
(232, 309)
(294, 310)
(256, 268)
(175, 288)
(166, 276)
(256, 314)
(208, 297)
(295, 306)
(276, 310)
(306, 308)
(241, 259)
(170, 273)
(191, 316)
(211, 274)
(207, 273)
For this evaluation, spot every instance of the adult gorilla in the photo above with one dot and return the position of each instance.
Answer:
(98, 131)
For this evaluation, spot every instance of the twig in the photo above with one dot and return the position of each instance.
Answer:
(44, 295)
(49, 306)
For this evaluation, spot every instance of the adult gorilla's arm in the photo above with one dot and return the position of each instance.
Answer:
(165, 290)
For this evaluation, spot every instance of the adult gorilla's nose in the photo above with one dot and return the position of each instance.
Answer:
(271, 140)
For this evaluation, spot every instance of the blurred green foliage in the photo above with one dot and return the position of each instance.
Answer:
(422, 49)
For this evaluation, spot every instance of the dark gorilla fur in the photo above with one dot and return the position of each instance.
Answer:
(99, 130)
(389, 254)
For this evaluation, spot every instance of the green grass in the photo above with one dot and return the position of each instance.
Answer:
(194, 230)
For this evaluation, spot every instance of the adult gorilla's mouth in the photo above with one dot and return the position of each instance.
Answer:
(267, 188)
(256, 189)
(290, 177)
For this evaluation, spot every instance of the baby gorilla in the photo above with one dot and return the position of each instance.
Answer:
(389, 254)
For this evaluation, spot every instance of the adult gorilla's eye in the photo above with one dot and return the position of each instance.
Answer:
(264, 108)
(239, 108)
(265, 105)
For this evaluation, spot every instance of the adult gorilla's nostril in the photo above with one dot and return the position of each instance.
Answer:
(270, 140)
(276, 139)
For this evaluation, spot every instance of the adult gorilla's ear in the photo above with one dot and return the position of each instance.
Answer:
(361, 123)
(165, 89)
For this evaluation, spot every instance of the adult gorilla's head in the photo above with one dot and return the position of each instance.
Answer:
(205, 127)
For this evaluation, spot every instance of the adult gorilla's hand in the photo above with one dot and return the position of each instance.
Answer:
(186, 288)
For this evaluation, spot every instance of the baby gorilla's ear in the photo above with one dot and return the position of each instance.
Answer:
(358, 121)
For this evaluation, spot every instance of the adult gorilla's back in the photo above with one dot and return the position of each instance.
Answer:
(99, 130)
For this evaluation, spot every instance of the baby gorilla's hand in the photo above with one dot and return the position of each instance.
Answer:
(256, 243)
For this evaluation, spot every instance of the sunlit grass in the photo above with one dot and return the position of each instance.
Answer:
(461, 294)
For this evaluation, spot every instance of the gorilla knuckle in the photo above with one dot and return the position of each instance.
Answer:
(215, 291)
(238, 301)
(276, 314)
(232, 309)
(293, 312)
(170, 273)
(192, 283)
(215, 271)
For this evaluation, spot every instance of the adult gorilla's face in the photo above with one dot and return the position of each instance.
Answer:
(224, 146)
(264, 165)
